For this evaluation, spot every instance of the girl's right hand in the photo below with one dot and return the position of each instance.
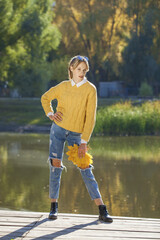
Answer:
(57, 117)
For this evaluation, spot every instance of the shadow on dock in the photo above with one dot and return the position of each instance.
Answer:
(24, 231)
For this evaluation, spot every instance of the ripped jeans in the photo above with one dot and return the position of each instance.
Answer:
(58, 136)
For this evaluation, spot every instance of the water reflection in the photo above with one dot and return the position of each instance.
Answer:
(126, 169)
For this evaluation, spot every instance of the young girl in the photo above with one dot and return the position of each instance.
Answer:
(73, 122)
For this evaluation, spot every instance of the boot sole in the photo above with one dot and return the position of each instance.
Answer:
(52, 217)
(106, 219)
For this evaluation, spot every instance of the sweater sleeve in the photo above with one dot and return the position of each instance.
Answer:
(50, 95)
(90, 116)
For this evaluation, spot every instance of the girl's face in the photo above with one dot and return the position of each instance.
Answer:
(79, 72)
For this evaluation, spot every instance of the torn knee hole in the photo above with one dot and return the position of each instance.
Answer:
(55, 162)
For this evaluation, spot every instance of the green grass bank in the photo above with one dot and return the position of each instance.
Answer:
(124, 119)
(113, 117)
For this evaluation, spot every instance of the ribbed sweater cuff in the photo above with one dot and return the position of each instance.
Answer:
(83, 141)
(85, 137)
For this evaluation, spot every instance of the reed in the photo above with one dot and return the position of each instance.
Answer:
(125, 119)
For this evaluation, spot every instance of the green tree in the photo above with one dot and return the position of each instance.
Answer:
(139, 62)
(59, 69)
(145, 90)
(28, 35)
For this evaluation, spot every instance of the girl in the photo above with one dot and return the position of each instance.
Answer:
(73, 122)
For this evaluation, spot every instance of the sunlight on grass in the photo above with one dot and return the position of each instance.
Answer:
(35, 121)
(126, 119)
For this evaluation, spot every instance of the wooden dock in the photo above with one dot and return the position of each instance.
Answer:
(36, 225)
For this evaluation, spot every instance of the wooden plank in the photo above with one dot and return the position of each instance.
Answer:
(115, 217)
(44, 214)
(113, 228)
(11, 213)
(16, 224)
(86, 220)
(34, 216)
(8, 229)
(13, 232)
(18, 219)
(88, 224)
(76, 220)
(94, 223)
(83, 238)
(69, 221)
(31, 225)
(91, 228)
(79, 238)
(101, 226)
(51, 234)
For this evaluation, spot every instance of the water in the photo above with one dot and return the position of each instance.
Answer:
(126, 169)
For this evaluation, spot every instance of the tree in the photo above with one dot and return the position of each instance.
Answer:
(139, 64)
(28, 35)
(145, 90)
(93, 28)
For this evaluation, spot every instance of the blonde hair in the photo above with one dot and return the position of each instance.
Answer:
(74, 62)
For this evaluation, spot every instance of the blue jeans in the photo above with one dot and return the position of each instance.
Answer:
(58, 136)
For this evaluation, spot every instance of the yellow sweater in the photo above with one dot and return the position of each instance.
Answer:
(77, 104)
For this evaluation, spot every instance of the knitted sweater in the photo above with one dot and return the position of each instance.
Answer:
(77, 104)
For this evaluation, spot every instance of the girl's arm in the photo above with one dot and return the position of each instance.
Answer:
(48, 96)
(89, 122)
(90, 115)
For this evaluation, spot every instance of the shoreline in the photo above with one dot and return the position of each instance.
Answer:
(24, 128)
(45, 129)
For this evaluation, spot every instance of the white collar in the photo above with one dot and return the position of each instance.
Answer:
(80, 83)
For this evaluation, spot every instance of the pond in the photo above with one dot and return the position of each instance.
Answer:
(127, 170)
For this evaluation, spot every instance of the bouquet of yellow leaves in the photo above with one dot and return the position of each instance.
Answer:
(80, 162)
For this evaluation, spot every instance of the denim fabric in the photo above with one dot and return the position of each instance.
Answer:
(58, 136)
(90, 182)
(54, 179)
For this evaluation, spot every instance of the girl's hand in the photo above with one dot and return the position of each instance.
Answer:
(57, 116)
(82, 149)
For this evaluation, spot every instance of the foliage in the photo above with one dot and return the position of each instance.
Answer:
(83, 162)
(94, 31)
(126, 119)
(120, 37)
(145, 90)
(59, 69)
(139, 60)
(27, 35)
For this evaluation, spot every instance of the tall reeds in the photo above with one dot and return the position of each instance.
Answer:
(126, 119)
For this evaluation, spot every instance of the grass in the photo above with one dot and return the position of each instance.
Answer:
(126, 119)
(22, 111)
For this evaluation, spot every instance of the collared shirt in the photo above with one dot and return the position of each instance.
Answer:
(80, 83)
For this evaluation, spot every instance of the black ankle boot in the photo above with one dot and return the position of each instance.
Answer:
(54, 210)
(103, 214)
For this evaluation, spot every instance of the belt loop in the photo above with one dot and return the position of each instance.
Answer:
(67, 133)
